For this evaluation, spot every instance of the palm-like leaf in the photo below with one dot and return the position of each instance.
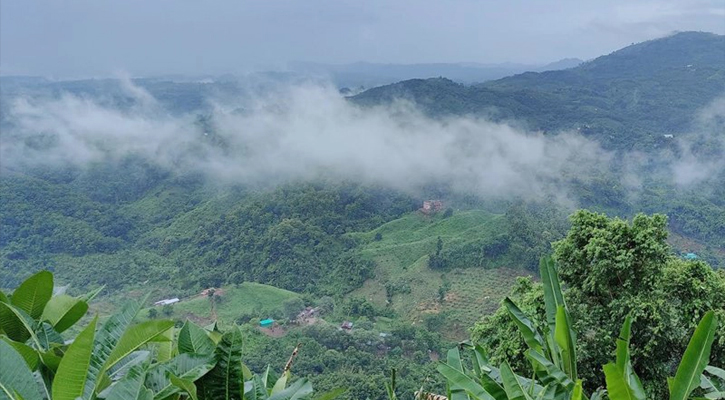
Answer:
(194, 339)
(695, 358)
(72, 372)
(16, 379)
(617, 386)
(298, 390)
(17, 324)
(63, 311)
(106, 340)
(131, 386)
(531, 335)
(224, 381)
(512, 385)
(465, 382)
(32, 295)
(185, 366)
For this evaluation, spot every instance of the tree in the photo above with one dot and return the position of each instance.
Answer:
(611, 269)
(326, 305)
(292, 307)
(167, 310)
(552, 354)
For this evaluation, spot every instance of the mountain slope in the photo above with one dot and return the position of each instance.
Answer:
(627, 99)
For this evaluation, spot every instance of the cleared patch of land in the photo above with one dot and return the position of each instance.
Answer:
(401, 253)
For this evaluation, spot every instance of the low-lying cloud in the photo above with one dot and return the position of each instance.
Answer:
(307, 131)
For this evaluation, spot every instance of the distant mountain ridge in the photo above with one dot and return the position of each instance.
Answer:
(628, 99)
(375, 74)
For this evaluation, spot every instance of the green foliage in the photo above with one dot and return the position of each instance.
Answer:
(611, 270)
(554, 361)
(122, 360)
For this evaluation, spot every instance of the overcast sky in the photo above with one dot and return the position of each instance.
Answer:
(72, 39)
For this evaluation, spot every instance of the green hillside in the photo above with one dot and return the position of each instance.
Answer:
(626, 100)
(404, 281)
(231, 302)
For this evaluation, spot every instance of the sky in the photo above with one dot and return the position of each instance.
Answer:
(99, 38)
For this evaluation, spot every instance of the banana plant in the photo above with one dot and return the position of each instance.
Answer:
(552, 354)
(120, 359)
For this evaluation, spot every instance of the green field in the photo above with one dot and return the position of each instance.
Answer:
(401, 257)
(248, 298)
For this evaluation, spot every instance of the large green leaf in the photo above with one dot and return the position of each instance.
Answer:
(121, 368)
(259, 389)
(457, 378)
(187, 366)
(135, 337)
(194, 339)
(73, 369)
(531, 335)
(281, 383)
(566, 341)
(17, 324)
(297, 390)
(625, 334)
(165, 349)
(512, 385)
(63, 311)
(623, 359)
(47, 336)
(454, 360)
(553, 297)
(578, 392)
(15, 376)
(28, 353)
(224, 381)
(548, 373)
(32, 295)
(695, 358)
(131, 386)
(617, 386)
(106, 340)
(185, 385)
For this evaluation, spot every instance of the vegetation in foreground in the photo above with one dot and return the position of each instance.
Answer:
(152, 359)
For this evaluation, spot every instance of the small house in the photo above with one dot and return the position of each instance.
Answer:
(165, 302)
(691, 256)
(266, 323)
(431, 206)
(347, 325)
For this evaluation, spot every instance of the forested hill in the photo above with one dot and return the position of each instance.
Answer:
(627, 100)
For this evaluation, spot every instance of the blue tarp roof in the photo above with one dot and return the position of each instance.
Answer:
(268, 321)
(690, 256)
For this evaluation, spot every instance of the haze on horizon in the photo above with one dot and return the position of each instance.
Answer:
(75, 39)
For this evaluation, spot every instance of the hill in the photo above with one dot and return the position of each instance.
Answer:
(232, 302)
(372, 74)
(453, 295)
(626, 100)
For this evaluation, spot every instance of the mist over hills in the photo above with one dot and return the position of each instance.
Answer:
(280, 188)
(626, 100)
(105, 171)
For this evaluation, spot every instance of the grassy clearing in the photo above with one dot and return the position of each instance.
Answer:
(249, 298)
(401, 256)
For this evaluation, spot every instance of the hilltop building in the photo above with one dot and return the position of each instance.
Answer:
(431, 206)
